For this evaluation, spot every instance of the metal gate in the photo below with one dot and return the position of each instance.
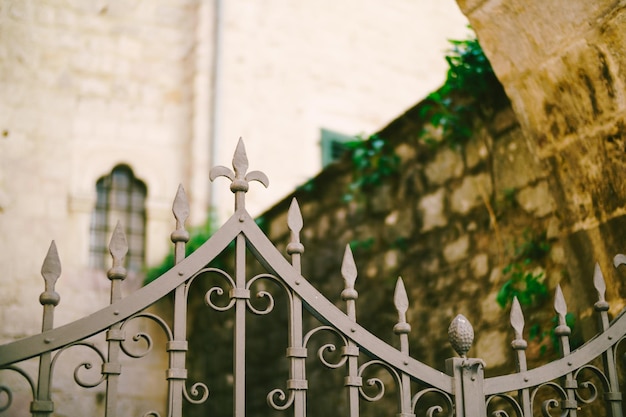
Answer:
(586, 377)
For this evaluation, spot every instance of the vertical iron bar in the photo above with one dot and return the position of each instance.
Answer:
(177, 372)
(402, 329)
(42, 405)
(562, 331)
(520, 345)
(296, 351)
(353, 381)
(241, 294)
(613, 396)
(113, 368)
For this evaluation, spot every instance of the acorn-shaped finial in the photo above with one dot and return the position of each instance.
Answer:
(461, 335)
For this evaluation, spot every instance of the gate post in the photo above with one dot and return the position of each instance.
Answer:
(468, 378)
(468, 374)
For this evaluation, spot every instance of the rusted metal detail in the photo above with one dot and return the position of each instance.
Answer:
(462, 392)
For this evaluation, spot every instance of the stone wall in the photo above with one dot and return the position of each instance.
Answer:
(448, 223)
(562, 64)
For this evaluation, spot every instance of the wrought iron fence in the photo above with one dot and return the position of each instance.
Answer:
(588, 375)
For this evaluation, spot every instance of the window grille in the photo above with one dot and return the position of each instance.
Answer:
(120, 197)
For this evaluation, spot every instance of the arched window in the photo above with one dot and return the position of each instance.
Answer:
(120, 197)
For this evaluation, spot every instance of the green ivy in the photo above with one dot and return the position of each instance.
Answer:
(373, 160)
(521, 279)
(471, 88)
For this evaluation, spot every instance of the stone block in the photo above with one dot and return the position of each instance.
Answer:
(477, 150)
(490, 310)
(514, 165)
(446, 165)
(536, 200)
(567, 94)
(520, 36)
(493, 346)
(471, 193)
(457, 250)
(480, 265)
(432, 207)
(588, 174)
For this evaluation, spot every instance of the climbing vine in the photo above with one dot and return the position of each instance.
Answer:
(373, 160)
(524, 278)
(471, 88)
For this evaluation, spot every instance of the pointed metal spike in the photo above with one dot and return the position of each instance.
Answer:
(51, 267)
(180, 208)
(294, 217)
(348, 268)
(598, 282)
(400, 298)
(118, 247)
(559, 302)
(240, 160)
(517, 318)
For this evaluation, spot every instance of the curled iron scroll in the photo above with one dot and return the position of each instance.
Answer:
(328, 347)
(143, 335)
(266, 294)
(83, 365)
(434, 410)
(199, 393)
(551, 403)
(509, 400)
(7, 390)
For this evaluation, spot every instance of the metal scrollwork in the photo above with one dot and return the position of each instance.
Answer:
(551, 403)
(590, 386)
(280, 395)
(509, 400)
(327, 347)
(83, 365)
(143, 335)
(434, 410)
(7, 391)
(208, 297)
(377, 381)
(199, 393)
(265, 294)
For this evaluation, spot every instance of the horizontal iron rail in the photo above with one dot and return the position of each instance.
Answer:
(240, 222)
(556, 369)
(101, 320)
(327, 312)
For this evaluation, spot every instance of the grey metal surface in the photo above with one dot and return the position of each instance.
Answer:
(462, 390)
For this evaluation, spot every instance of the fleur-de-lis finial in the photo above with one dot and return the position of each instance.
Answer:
(239, 178)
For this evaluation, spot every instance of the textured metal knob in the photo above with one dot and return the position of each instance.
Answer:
(461, 335)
